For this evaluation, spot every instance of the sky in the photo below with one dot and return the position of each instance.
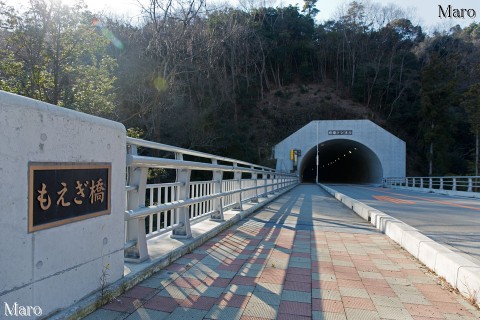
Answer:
(425, 12)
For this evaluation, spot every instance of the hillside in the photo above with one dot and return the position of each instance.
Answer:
(282, 112)
(234, 81)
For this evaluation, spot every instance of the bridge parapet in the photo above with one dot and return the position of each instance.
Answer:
(155, 209)
(468, 186)
(62, 193)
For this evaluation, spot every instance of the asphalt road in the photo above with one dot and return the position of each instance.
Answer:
(452, 221)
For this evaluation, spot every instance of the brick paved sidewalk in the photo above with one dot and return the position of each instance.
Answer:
(305, 256)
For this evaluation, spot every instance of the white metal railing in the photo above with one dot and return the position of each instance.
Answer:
(159, 222)
(456, 184)
(228, 185)
(155, 209)
(198, 190)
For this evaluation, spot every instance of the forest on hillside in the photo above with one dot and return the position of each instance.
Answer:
(235, 81)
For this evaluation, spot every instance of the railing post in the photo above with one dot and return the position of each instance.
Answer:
(183, 176)
(255, 181)
(274, 186)
(430, 183)
(441, 184)
(217, 214)
(454, 186)
(265, 181)
(470, 184)
(421, 183)
(272, 177)
(135, 199)
(237, 176)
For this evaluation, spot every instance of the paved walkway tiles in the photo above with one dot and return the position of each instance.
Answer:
(304, 256)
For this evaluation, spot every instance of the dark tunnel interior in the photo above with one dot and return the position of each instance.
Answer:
(341, 161)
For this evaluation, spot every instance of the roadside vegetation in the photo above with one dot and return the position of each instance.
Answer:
(236, 81)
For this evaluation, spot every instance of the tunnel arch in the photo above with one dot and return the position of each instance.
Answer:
(341, 161)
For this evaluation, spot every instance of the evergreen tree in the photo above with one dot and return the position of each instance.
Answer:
(54, 53)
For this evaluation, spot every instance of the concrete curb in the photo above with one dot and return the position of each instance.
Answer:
(459, 272)
(93, 302)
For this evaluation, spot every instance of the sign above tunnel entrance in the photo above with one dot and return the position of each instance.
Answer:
(340, 132)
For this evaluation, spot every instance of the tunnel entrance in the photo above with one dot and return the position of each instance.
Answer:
(341, 161)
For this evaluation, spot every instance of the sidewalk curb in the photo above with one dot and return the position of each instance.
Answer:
(94, 301)
(459, 272)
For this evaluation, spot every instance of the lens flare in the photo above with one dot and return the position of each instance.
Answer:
(107, 34)
(160, 84)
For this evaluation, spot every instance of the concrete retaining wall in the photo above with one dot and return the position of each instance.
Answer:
(53, 268)
(458, 271)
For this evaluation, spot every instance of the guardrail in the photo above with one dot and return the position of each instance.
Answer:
(155, 209)
(454, 185)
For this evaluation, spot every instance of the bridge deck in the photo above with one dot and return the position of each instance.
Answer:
(303, 256)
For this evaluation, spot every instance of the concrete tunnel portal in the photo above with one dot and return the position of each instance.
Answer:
(350, 151)
(341, 161)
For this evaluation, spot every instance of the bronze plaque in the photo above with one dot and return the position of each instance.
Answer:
(60, 193)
